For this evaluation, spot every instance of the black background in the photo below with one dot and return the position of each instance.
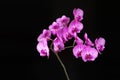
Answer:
(21, 24)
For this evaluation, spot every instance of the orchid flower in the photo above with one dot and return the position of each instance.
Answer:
(63, 30)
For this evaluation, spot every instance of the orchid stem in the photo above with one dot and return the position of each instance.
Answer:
(63, 66)
(69, 47)
(74, 43)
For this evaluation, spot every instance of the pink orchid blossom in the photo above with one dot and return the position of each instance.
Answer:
(75, 27)
(54, 28)
(89, 54)
(78, 14)
(78, 40)
(42, 48)
(87, 40)
(63, 21)
(100, 44)
(64, 34)
(45, 34)
(77, 50)
(58, 44)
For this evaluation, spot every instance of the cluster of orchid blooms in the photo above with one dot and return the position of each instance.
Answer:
(63, 30)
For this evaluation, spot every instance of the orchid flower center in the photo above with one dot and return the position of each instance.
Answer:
(74, 29)
(88, 57)
(43, 51)
(79, 53)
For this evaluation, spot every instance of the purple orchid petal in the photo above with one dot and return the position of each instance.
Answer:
(78, 14)
(77, 50)
(100, 44)
(78, 40)
(58, 44)
(63, 34)
(42, 47)
(89, 54)
(54, 28)
(75, 27)
(45, 34)
(66, 34)
(63, 21)
(87, 40)
(60, 35)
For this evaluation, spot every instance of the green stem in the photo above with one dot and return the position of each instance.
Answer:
(74, 43)
(69, 47)
(63, 66)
